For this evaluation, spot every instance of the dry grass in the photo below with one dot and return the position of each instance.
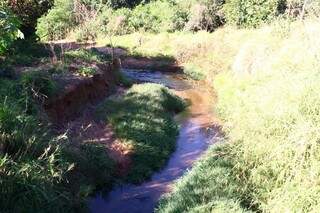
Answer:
(269, 101)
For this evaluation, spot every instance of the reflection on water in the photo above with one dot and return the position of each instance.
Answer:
(173, 81)
(196, 133)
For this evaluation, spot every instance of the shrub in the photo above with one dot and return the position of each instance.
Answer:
(58, 22)
(26, 52)
(116, 4)
(120, 22)
(87, 71)
(9, 29)
(154, 17)
(39, 84)
(180, 19)
(87, 31)
(206, 15)
(252, 13)
(296, 7)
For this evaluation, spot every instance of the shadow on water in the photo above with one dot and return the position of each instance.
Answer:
(198, 130)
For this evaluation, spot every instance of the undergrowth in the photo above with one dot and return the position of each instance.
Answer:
(39, 171)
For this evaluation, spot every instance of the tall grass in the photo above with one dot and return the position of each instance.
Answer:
(269, 105)
(40, 171)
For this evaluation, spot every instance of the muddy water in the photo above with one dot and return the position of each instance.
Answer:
(196, 133)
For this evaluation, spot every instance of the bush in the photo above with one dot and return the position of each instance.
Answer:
(9, 29)
(26, 52)
(39, 84)
(206, 15)
(87, 71)
(58, 22)
(252, 13)
(119, 23)
(116, 4)
(157, 16)
(295, 8)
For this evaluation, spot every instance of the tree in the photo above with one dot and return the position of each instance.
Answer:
(28, 11)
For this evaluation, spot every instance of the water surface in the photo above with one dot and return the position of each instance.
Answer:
(196, 133)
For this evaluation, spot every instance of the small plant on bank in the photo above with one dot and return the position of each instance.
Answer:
(39, 83)
(86, 55)
(87, 71)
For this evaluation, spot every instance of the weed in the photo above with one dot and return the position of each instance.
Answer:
(86, 71)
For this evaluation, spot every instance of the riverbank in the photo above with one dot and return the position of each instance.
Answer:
(198, 129)
(265, 81)
(91, 150)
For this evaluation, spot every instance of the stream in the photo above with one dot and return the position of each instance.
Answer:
(197, 131)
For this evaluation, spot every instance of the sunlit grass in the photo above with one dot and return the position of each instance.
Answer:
(268, 101)
(143, 117)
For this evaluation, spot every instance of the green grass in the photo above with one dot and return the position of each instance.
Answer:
(143, 118)
(211, 186)
(25, 53)
(40, 171)
(268, 102)
(87, 55)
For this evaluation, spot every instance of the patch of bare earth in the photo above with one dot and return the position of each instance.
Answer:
(87, 129)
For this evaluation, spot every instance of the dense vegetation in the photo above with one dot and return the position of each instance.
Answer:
(266, 83)
(9, 26)
(263, 63)
(40, 169)
(35, 165)
(88, 20)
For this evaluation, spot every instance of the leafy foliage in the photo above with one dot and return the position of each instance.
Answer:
(9, 29)
(252, 13)
(58, 22)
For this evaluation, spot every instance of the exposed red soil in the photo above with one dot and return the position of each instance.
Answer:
(85, 129)
(73, 112)
(73, 109)
(77, 93)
